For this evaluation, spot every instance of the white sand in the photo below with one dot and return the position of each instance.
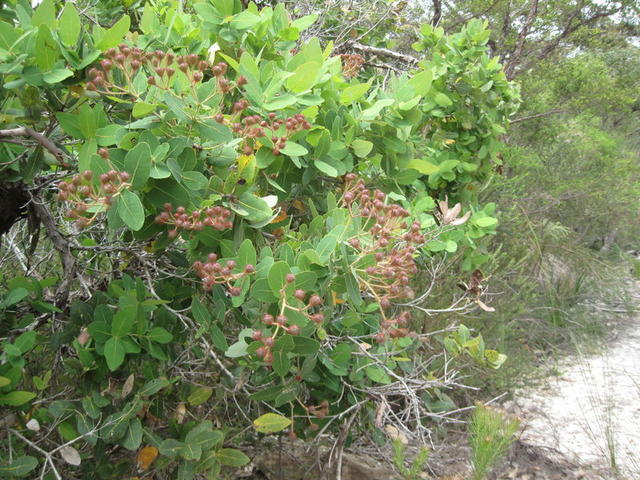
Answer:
(595, 398)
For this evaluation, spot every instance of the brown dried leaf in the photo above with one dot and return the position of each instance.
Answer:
(462, 220)
(146, 457)
(181, 411)
(484, 306)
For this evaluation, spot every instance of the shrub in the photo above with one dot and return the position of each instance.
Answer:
(239, 223)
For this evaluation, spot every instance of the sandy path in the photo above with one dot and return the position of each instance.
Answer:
(590, 413)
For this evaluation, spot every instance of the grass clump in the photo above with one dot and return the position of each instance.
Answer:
(491, 432)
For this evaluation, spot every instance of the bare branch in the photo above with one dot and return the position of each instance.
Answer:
(60, 243)
(513, 61)
(437, 12)
(537, 115)
(10, 134)
(383, 52)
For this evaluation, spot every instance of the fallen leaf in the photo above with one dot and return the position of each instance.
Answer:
(70, 455)
(33, 425)
(128, 386)
(395, 434)
(146, 457)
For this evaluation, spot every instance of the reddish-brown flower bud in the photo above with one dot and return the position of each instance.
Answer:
(294, 330)
(315, 300)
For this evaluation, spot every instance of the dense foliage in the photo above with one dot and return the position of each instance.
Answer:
(248, 225)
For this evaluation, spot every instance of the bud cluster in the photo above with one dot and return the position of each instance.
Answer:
(389, 238)
(125, 59)
(83, 194)
(161, 67)
(281, 322)
(216, 217)
(351, 64)
(394, 327)
(253, 126)
(319, 411)
(213, 272)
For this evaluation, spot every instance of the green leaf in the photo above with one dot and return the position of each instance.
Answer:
(443, 100)
(20, 467)
(232, 457)
(353, 93)
(485, 222)
(142, 109)
(26, 341)
(159, 335)
(170, 447)
(281, 362)
(15, 296)
(280, 102)
(204, 437)
(247, 254)
(8, 35)
(114, 353)
(191, 452)
(304, 77)
(253, 208)
(421, 82)
(45, 14)
(133, 438)
(47, 51)
(200, 313)
(149, 19)
(361, 148)
(130, 210)
(277, 276)
(199, 396)
(4, 381)
(138, 163)
(123, 322)
(70, 124)
(245, 20)
(305, 346)
(271, 423)
(16, 398)
(69, 25)
(106, 136)
(57, 75)
(377, 374)
(305, 22)
(423, 166)
(325, 167)
(113, 36)
(373, 111)
(293, 149)
(154, 386)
